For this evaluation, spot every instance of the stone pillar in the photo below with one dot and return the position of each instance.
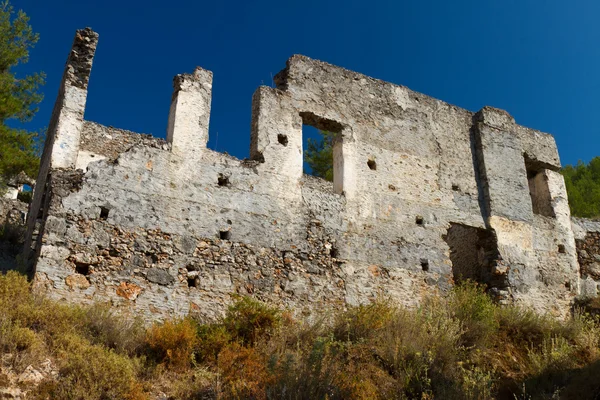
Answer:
(67, 118)
(344, 166)
(276, 134)
(189, 115)
(502, 166)
(508, 209)
(64, 131)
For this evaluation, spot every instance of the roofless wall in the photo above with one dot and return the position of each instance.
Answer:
(424, 194)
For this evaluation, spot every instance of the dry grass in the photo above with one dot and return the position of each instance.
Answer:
(462, 346)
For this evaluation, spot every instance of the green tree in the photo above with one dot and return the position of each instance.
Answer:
(583, 187)
(319, 156)
(18, 96)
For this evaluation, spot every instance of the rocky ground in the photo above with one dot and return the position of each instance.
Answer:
(17, 385)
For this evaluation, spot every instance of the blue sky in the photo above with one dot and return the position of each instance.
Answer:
(539, 60)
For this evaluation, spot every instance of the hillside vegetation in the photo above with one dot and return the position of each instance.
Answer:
(461, 346)
(583, 188)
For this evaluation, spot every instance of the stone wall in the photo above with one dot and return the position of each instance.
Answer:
(587, 237)
(163, 228)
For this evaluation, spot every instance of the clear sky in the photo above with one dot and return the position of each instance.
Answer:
(539, 60)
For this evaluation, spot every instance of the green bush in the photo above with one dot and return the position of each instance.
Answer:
(248, 319)
(476, 312)
(583, 188)
(123, 333)
(92, 372)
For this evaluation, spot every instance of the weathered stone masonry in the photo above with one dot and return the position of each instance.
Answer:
(587, 238)
(424, 193)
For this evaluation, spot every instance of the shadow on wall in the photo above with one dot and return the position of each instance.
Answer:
(474, 254)
(12, 233)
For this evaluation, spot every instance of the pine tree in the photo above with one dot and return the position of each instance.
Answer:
(18, 96)
(319, 156)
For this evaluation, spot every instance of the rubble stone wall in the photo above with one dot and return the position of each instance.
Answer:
(587, 237)
(165, 228)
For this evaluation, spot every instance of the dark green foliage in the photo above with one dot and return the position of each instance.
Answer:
(319, 156)
(25, 196)
(583, 188)
(18, 97)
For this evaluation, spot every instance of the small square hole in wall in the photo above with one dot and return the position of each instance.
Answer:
(223, 180)
(225, 235)
(372, 164)
(419, 220)
(334, 253)
(561, 249)
(424, 264)
(456, 188)
(104, 213)
(83, 269)
(193, 282)
(282, 139)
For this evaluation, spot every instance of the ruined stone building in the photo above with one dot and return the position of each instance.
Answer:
(424, 194)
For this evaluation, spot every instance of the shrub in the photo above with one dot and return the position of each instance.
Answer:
(247, 319)
(173, 343)
(461, 346)
(197, 383)
(92, 372)
(244, 373)
(125, 334)
(589, 305)
(476, 311)
(362, 322)
(23, 344)
(421, 349)
(14, 291)
(211, 340)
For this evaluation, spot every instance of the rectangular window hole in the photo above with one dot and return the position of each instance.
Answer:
(193, 282)
(419, 220)
(83, 269)
(424, 264)
(319, 136)
(539, 191)
(561, 249)
(225, 235)
(104, 213)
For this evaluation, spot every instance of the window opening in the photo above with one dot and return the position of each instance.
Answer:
(319, 136)
(539, 191)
